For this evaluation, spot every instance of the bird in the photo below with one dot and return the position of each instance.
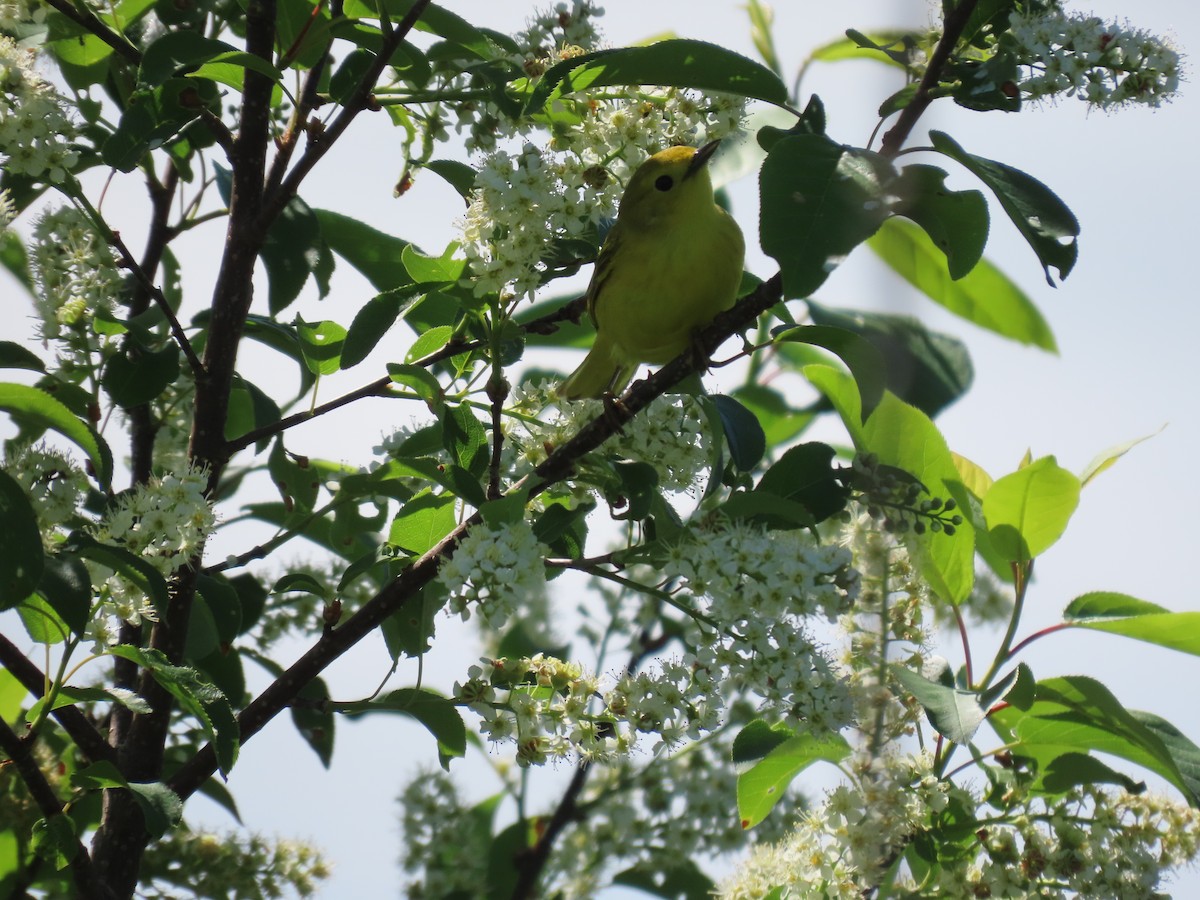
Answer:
(671, 262)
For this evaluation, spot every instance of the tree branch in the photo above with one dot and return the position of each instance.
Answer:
(952, 29)
(356, 103)
(43, 795)
(87, 20)
(408, 585)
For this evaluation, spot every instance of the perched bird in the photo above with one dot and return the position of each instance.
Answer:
(672, 261)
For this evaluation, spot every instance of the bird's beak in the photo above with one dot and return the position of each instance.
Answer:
(701, 158)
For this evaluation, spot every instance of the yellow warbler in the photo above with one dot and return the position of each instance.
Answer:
(672, 261)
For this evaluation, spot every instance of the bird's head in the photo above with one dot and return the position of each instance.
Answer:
(673, 184)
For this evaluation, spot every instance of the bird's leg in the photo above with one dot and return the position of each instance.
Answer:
(698, 354)
(616, 413)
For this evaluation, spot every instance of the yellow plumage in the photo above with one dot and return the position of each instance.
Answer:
(672, 261)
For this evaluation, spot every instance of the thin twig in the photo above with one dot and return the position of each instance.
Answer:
(358, 101)
(87, 20)
(952, 29)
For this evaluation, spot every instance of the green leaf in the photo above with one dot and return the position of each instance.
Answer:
(1107, 458)
(430, 342)
(671, 63)
(465, 439)
(294, 249)
(439, 716)
(776, 757)
(984, 296)
(55, 841)
(421, 523)
(21, 563)
(779, 421)
(377, 256)
(297, 482)
(433, 269)
(135, 569)
(1045, 222)
(315, 720)
(1137, 619)
(136, 376)
(373, 321)
(421, 382)
(14, 356)
(321, 343)
(672, 878)
(224, 604)
(152, 117)
(177, 52)
(955, 714)
(743, 435)
(927, 369)
(196, 696)
(902, 436)
(883, 46)
(819, 201)
(64, 584)
(1074, 769)
(457, 174)
(34, 406)
(161, 807)
(230, 67)
(1079, 714)
(1027, 511)
(42, 623)
(956, 221)
(860, 356)
(805, 474)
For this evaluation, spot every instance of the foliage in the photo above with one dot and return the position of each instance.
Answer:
(728, 553)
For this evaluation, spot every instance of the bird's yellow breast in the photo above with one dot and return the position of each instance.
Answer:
(663, 290)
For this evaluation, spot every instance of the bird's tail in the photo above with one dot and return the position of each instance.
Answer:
(600, 372)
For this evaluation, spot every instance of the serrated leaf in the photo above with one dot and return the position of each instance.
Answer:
(1133, 618)
(1045, 222)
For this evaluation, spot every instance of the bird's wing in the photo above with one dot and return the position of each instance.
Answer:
(603, 270)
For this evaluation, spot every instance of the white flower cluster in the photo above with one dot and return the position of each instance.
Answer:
(75, 272)
(451, 859)
(55, 485)
(646, 818)
(165, 522)
(838, 850)
(1106, 64)
(15, 13)
(1089, 843)
(671, 434)
(545, 706)
(497, 572)
(762, 587)
(35, 130)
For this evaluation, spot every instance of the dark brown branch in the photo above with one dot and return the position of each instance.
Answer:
(497, 390)
(407, 586)
(356, 103)
(952, 29)
(87, 20)
(43, 795)
(73, 721)
(152, 290)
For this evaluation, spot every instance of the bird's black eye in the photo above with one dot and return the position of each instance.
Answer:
(664, 182)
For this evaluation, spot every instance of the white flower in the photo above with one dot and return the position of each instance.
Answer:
(495, 571)
(35, 129)
(1106, 64)
(55, 485)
